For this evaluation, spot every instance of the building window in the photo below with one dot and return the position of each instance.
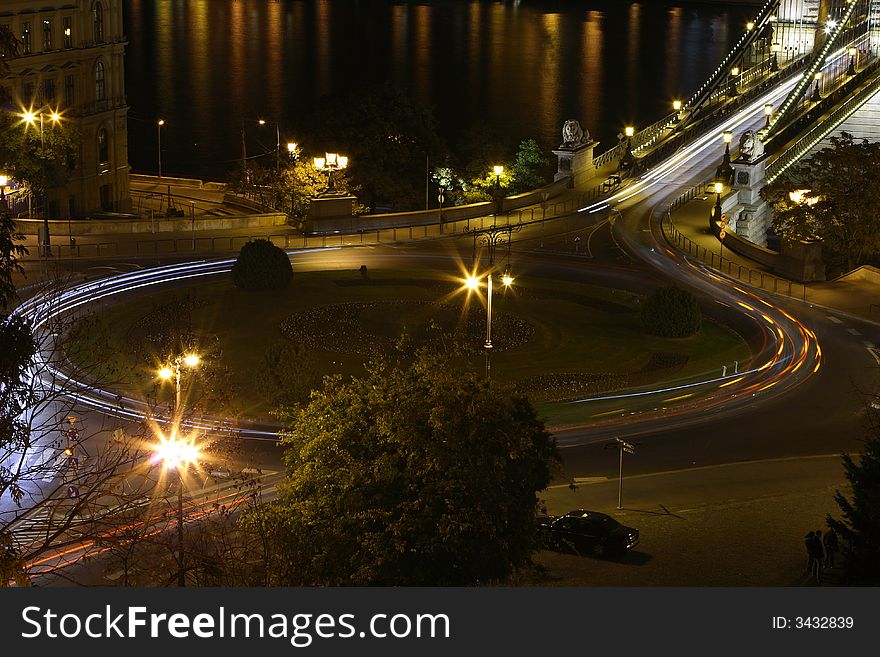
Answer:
(67, 24)
(103, 147)
(99, 81)
(49, 91)
(26, 39)
(27, 93)
(47, 34)
(69, 97)
(99, 23)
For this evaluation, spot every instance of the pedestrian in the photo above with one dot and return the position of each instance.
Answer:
(831, 547)
(808, 543)
(818, 555)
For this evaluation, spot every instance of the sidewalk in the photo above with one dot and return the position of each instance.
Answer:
(853, 295)
(740, 524)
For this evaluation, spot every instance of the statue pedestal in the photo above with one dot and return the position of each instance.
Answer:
(575, 162)
(753, 216)
(330, 213)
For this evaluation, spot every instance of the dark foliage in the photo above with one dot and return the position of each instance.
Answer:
(672, 312)
(262, 266)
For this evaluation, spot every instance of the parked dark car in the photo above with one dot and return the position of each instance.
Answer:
(586, 532)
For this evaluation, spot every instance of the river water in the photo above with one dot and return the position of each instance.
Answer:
(521, 67)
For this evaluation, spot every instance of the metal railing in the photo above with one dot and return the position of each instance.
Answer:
(759, 278)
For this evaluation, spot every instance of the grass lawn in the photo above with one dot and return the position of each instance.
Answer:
(555, 339)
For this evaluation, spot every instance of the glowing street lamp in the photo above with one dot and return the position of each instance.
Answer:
(172, 371)
(627, 160)
(176, 453)
(4, 181)
(724, 172)
(734, 75)
(159, 125)
(768, 112)
(292, 150)
(816, 97)
(774, 62)
(851, 70)
(329, 163)
(30, 117)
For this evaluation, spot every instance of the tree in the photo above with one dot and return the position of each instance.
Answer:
(672, 312)
(10, 252)
(387, 137)
(288, 374)
(528, 167)
(262, 266)
(833, 196)
(859, 528)
(412, 475)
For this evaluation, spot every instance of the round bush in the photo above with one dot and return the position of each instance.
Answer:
(262, 266)
(672, 312)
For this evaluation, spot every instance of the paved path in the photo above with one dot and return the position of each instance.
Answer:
(740, 524)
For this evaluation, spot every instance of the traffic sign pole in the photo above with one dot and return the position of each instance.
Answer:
(620, 479)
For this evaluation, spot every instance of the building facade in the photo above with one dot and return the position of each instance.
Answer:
(70, 61)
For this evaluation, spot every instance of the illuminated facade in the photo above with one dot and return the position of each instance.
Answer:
(71, 60)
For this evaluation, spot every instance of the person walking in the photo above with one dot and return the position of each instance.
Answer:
(831, 547)
(808, 544)
(818, 555)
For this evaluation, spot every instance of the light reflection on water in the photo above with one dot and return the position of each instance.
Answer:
(204, 65)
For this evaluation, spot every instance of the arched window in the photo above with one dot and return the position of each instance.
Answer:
(99, 81)
(99, 22)
(103, 147)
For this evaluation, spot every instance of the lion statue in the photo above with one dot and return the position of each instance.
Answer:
(750, 147)
(573, 135)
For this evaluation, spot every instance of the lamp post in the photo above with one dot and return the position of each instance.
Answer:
(725, 170)
(159, 125)
(177, 454)
(277, 142)
(292, 150)
(627, 160)
(329, 163)
(172, 370)
(4, 180)
(734, 74)
(30, 118)
(768, 112)
(816, 97)
(492, 237)
(851, 70)
(676, 106)
(497, 170)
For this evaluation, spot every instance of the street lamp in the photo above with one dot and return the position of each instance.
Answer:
(816, 97)
(172, 371)
(719, 187)
(30, 118)
(725, 170)
(329, 163)
(676, 106)
(292, 150)
(177, 454)
(768, 112)
(492, 237)
(774, 61)
(497, 170)
(159, 125)
(852, 61)
(4, 180)
(734, 74)
(627, 160)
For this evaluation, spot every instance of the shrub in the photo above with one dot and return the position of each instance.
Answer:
(672, 312)
(262, 266)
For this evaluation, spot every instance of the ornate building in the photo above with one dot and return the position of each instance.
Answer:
(71, 61)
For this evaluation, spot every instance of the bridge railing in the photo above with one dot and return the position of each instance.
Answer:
(754, 277)
(821, 130)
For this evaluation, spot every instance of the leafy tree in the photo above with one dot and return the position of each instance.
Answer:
(36, 163)
(10, 252)
(288, 374)
(528, 167)
(387, 137)
(262, 266)
(412, 475)
(859, 527)
(836, 196)
(672, 312)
